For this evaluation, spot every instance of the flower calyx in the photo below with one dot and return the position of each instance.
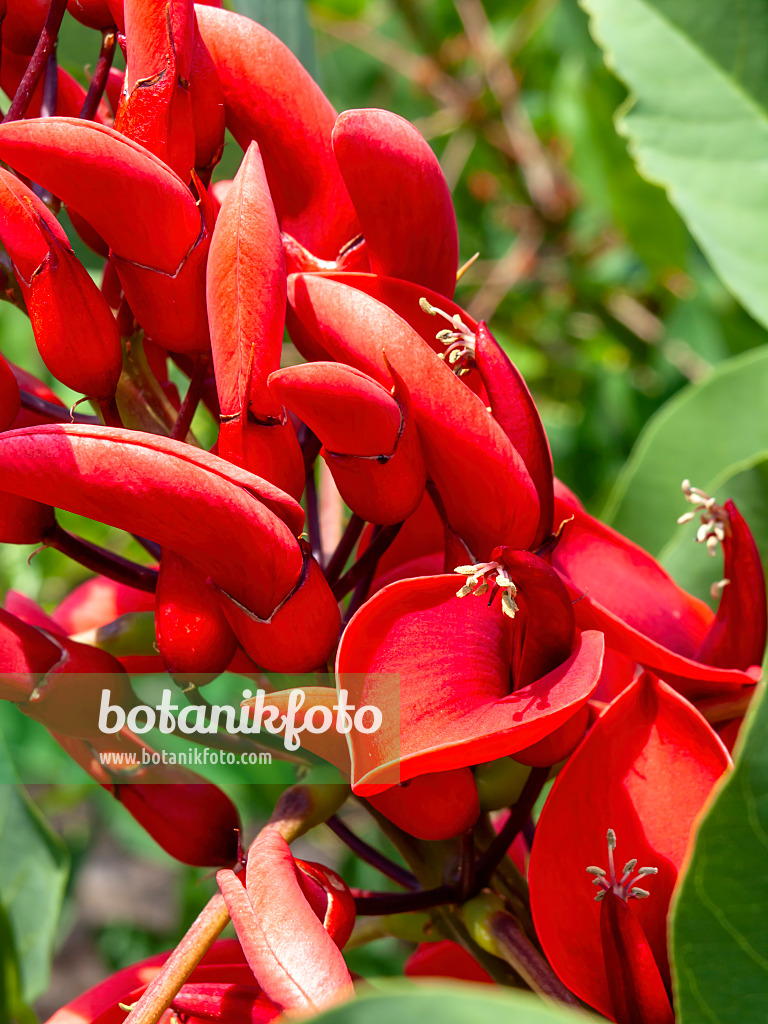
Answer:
(624, 887)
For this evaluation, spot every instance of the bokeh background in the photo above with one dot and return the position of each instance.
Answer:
(585, 273)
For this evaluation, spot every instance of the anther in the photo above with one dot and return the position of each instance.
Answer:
(624, 887)
(459, 339)
(477, 584)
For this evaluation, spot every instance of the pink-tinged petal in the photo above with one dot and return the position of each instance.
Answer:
(246, 289)
(220, 518)
(487, 492)
(98, 601)
(293, 958)
(736, 638)
(445, 959)
(10, 399)
(438, 668)
(644, 770)
(135, 202)
(401, 198)
(156, 107)
(369, 437)
(270, 98)
(193, 636)
(29, 611)
(438, 805)
(514, 409)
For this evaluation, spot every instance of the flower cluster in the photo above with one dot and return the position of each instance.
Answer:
(504, 633)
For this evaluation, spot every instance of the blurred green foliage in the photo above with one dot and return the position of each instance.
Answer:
(585, 273)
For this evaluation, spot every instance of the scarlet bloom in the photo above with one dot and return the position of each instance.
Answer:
(643, 772)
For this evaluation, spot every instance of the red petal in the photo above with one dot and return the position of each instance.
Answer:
(514, 409)
(445, 959)
(736, 639)
(488, 494)
(439, 805)
(271, 99)
(437, 667)
(131, 198)
(644, 769)
(400, 196)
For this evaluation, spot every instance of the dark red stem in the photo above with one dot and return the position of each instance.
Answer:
(101, 561)
(54, 412)
(370, 904)
(372, 856)
(100, 75)
(487, 863)
(340, 556)
(37, 64)
(365, 566)
(191, 399)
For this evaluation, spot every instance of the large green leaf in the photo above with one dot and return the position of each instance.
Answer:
(699, 121)
(288, 20)
(707, 433)
(410, 1003)
(719, 928)
(34, 873)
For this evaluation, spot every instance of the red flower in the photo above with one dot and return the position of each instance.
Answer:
(643, 771)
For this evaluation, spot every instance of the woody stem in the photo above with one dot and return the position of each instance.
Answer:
(514, 824)
(100, 75)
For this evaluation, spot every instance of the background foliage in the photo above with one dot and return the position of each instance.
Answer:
(611, 300)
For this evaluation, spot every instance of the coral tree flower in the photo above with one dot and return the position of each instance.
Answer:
(644, 771)
(281, 916)
(458, 681)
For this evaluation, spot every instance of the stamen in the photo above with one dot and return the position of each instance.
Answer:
(459, 339)
(477, 584)
(715, 524)
(624, 887)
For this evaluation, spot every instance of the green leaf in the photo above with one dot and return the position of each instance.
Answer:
(719, 942)
(698, 123)
(707, 433)
(413, 1003)
(287, 19)
(34, 873)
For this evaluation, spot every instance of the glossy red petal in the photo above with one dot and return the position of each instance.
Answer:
(135, 202)
(93, 13)
(337, 906)
(246, 289)
(488, 494)
(438, 668)
(193, 635)
(187, 500)
(736, 638)
(514, 409)
(10, 399)
(438, 805)
(236, 1004)
(207, 98)
(644, 770)
(401, 198)
(270, 98)
(445, 959)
